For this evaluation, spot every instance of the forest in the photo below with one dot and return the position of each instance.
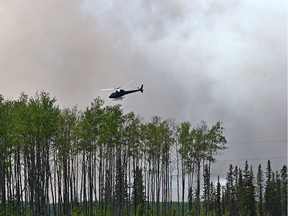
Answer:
(102, 161)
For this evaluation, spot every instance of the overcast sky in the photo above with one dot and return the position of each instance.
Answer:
(198, 60)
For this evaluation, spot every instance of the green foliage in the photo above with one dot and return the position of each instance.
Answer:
(101, 161)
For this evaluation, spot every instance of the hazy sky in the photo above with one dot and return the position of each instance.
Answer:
(198, 60)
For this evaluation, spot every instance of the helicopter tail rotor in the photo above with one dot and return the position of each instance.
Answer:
(141, 89)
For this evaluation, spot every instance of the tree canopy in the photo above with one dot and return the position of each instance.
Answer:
(102, 161)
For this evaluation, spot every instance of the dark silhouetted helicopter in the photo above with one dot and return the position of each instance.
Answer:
(119, 93)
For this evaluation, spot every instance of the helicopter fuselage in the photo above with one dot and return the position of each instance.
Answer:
(120, 93)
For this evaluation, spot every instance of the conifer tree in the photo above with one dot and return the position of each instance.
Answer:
(230, 192)
(240, 193)
(246, 192)
(259, 190)
(269, 194)
(251, 193)
(279, 194)
(218, 198)
(206, 189)
(284, 189)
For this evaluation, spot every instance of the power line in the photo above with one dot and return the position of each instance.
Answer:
(249, 159)
(257, 142)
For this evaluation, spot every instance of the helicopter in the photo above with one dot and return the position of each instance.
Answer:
(119, 93)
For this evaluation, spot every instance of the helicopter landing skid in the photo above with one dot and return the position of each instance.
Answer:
(118, 99)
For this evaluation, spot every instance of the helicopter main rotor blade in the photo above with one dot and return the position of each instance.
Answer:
(111, 89)
(128, 82)
(108, 89)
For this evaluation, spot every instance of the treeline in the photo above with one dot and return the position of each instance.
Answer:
(100, 161)
(246, 193)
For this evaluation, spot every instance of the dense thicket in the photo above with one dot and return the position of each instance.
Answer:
(100, 161)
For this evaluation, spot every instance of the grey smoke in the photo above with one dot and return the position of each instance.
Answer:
(198, 61)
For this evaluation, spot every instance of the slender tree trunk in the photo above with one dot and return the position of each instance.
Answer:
(198, 188)
(178, 177)
(158, 188)
(90, 183)
(183, 188)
